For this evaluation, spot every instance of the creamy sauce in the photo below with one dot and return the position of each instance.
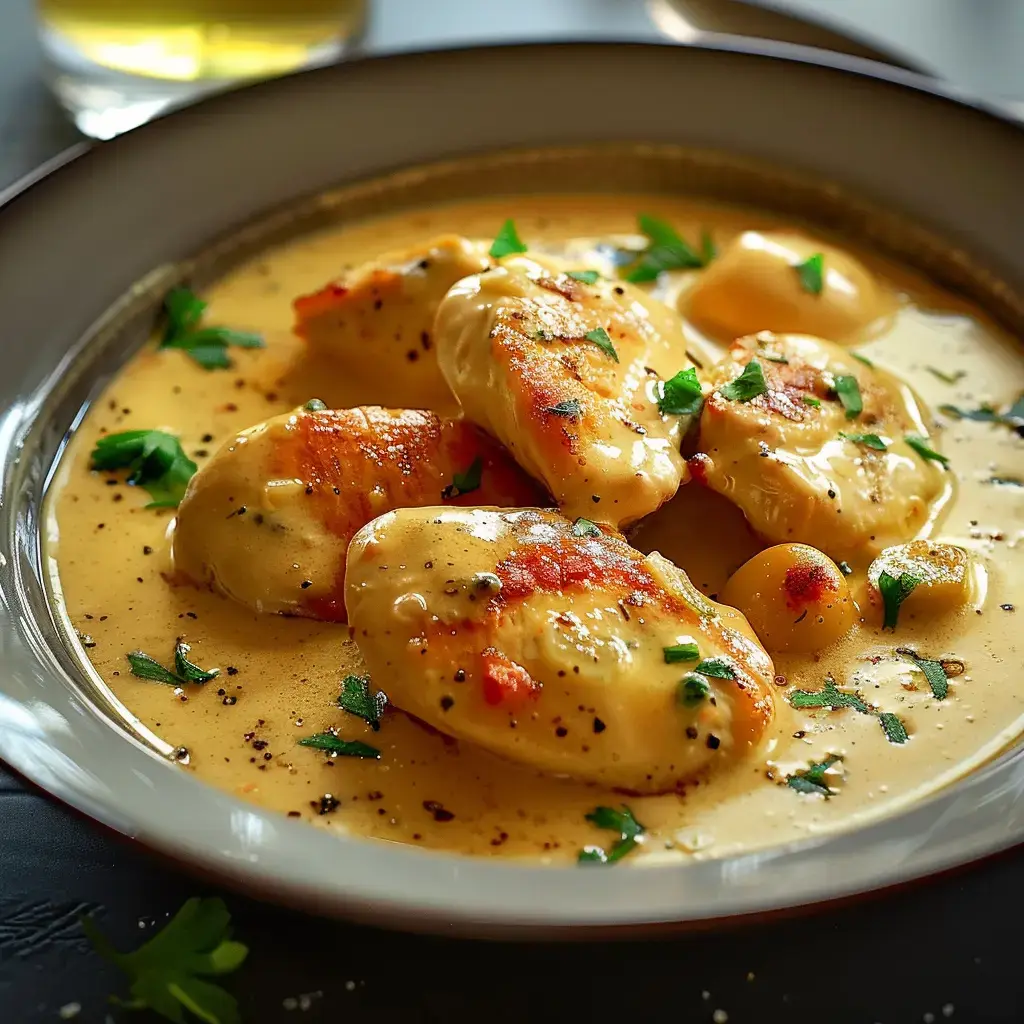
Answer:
(280, 676)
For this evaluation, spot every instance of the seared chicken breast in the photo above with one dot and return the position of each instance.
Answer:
(268, 519)
(374, 327)
(812, 444)
(567, 373)
(555, 644)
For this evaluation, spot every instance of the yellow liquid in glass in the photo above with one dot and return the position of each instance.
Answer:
(192, 40)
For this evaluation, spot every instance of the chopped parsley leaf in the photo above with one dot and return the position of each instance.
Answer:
(570, 408)
(680, 652)
(189, 671)
(585, 528)
(813, 778)
(356, 699)
(929, 454)
(708, 249)
(894, 592)
(716, 668)
(983, 414)
(330, 743)
(862, 359)
(747, 386)
(893, 727)
(507, 241)
(868, 440)
(848, 391)
(774, 357)
(811, 273)
(146, 667)
(169, 972)
(829, 696)
(947, 378)
(599, 336)
(693, 689)
(205, 345)
(666, 250)
(933, 671)
(813, 402)
(623, 822)
(467, 481)
(315, 405)
(584, 276)
(681, 394)
(157, 462)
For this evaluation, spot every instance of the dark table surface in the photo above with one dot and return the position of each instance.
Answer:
(948, 949)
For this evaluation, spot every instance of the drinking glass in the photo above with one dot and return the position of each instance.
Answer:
(114, 64)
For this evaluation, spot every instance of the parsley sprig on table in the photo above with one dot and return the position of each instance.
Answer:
(157, 462)
(206, 345)
(169, 973)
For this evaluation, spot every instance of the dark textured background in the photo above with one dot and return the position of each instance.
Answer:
(947, 950)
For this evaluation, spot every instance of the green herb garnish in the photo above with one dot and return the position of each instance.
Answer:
(599, 336)
(811, 273)
(812, 779)
(693, 689)
(680, 652)
(848, 391)
(585, 528)
(933, 671)
(666, 250)
(584, 276)
(681, 395)
(747, 386)
(189, 671)
(356, 699)
(570, 408)
(467, 481)
(868, 440)
(623, 822)
(894, 729)
(921, 446)
(168, 973)
(774, 357)
(862, 359)
(507, 241)
(829, 696)
(1013, 417)
(947, 378)
(315, 405)
(708, 249)
(206, 345)
(146, 667)
(330, 743)
(810, 400)
(156, 460)
(716, 668)
(894, 591)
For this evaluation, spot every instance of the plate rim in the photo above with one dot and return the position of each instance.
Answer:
(486, 913)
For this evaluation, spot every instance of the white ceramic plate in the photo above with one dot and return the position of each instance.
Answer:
(73, 242)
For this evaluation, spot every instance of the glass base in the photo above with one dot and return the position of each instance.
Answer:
(104, 103)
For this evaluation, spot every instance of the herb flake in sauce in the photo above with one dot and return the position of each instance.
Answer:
(829, 696)
(811, 273)
(813, 778)
(156, 461)
(666, 250)
(933, 671)
(849, 394)
(893, 727)
(585, 528)
(467, 481)
(584, 276)
(867, 440)
(929, 454)
(205, 345)
(680, 652)
(188, 670)
(894, 591)
(333, 744)
(507, 242)
(622, 821)
(599, 336)
(356, 699)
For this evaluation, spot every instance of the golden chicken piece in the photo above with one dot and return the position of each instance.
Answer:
(372, 331)
(557, 645)
(781, 281)
(268, 519)
(567, 373)
(817, 447)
